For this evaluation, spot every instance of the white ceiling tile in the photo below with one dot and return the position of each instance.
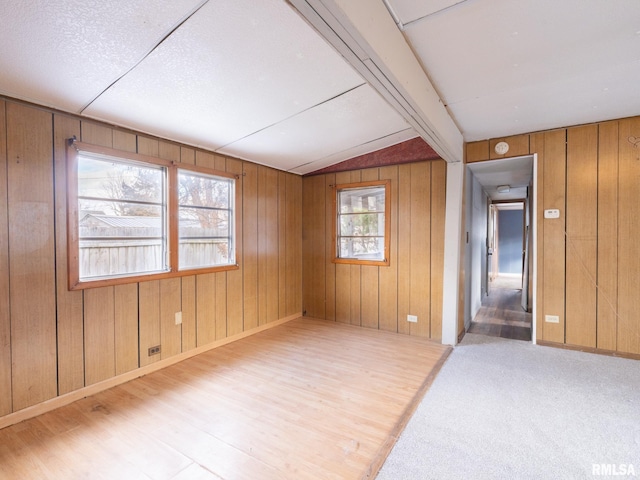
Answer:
(355, 118)
(596, 96)
(408, 11)
(481, 48)
(63, 53)
(234, 68)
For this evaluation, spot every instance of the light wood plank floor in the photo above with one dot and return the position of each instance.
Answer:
(306, 400)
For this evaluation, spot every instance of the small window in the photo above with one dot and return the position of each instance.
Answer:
(132, 217)
(205, 216)
(362, 223)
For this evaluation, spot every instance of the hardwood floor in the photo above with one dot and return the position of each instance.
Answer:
(309, 399)
(501, 314)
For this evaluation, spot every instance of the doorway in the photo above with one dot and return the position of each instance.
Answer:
(499, 261)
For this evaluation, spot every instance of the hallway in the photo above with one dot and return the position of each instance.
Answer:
(501, 314)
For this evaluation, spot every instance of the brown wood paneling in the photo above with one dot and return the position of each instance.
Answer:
(628, 235)
(553, 283)
(5, 319)
(518, 146)
(330, 267)
(235, 304)
(388, 276)
(188, 313)
(262, 245)
(188, 155)
(99, 337)
(149, 318)
(607, 235)
(170, 304)
(69, 305)
(221, 305)
(313, 246)
(206, 308)
(404, 247)
(282, 244)
(477, 151)
(125, 141)
(420, 245)
(294, 244)
(169, 151)
(369, 282)
(537, 146)
(126, 327)
(343, 271)
(581, 227)
(32, 254)
(438, 201)
(271, 242)
(250, 244)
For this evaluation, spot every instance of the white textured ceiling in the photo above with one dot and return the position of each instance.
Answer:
(251, 78)
(505, 67)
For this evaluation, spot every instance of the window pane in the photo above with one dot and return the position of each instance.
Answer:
(362, 248)
(121, 233)
(204, 190)
(201, 223)
(205, 220)
(197, 253)
(362, 224)
(110, 179)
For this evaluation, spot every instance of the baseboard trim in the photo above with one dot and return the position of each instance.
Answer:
(67, 398)
(598, 351)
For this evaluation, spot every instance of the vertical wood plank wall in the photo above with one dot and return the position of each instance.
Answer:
(373, 296)
(54, 341)
(589, 258)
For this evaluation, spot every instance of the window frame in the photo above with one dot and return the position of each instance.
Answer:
(386, 184)
(76, 149)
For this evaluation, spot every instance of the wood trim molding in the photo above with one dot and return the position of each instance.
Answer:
(62, 400)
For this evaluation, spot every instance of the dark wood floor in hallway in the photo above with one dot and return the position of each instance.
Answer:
(501, 314)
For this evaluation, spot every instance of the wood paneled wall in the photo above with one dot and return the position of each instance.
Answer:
(589, 258)
(380, 297)
(54, 341)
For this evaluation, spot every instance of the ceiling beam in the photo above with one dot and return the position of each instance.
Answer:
(365, 34)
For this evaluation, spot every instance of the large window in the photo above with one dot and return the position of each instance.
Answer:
(132, 217)
(362, 223)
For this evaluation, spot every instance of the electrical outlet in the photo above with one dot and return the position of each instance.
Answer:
(552, 213)
(154, 350)
(552, 318)
(178, 318)
(412, 318)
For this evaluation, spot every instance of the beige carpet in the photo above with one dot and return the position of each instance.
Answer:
(505, 409)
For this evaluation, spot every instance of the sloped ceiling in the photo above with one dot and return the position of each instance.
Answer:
(253, 79)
